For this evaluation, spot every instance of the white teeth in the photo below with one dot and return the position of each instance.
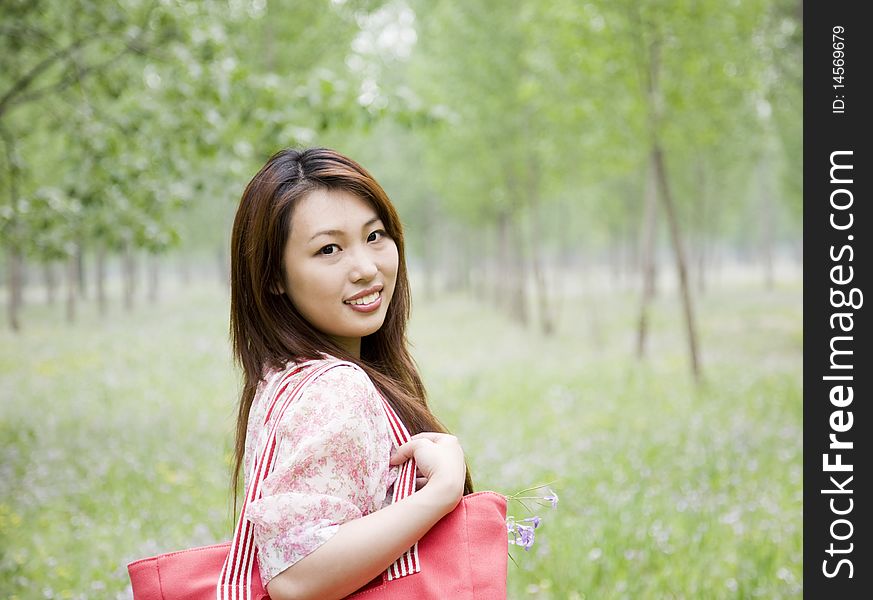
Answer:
(365, 300)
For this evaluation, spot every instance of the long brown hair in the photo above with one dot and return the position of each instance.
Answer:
(267, 330)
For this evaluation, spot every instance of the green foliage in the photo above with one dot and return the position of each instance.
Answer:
(150, 116)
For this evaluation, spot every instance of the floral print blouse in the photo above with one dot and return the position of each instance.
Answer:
(333, 448)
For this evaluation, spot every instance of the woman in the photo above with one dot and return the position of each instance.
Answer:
(318, 273)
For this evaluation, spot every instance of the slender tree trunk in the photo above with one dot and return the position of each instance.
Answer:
(647, 256)
(129, 270)
(14, 261)
(482, 275)
(458, 278)
(154, 278)
(81, 280)
(490, 269)
(22, 280)
(766, 234)
(541, 284)
(702, 206)
(184, 270)
(655, 103)
(72, 277)
(464, 278)
(613, 259)
(632, 241)
(517, 274)
(592, 311)
(564, 263)
(100, 283)
(676, 238)
(14, 269)
(51, 282)
(501, 288)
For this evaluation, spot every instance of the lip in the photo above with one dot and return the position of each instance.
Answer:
(366, 308)
(366, 292)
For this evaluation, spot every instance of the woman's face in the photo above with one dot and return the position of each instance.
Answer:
(337, 249)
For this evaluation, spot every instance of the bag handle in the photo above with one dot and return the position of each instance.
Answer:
(234, 582)
(235, 579)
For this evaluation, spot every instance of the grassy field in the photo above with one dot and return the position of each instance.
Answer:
(115, 440)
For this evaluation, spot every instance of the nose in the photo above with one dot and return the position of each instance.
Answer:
(363, 265)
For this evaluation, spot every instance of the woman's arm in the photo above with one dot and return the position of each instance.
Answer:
(362, 548)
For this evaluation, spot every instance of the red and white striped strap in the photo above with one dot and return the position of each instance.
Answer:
(404, 486)
(235, 580)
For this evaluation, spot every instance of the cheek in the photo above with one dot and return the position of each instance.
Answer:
(393, 260)
(307, 286)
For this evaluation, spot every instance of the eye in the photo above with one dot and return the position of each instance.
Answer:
(328, 247)
(379, 232)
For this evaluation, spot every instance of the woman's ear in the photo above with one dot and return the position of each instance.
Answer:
(277, 288)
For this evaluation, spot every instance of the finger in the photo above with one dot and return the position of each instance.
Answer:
(433, 436)
(406, 451)
(420, 482)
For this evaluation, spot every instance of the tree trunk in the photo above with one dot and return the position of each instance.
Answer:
(647, 256)
(428, 254)
(80, 270)
(541, 284)
(14, 269)
(51, 282)
(613, 259)
(154, 278)
(484, 266)
(129, 276)
(676, 238)
(72, 277)
(655, 103)
(766, 234)
(501, 281)
(517, 274)
(592, 311)
(184, 270)
(700, 234)
(457, 279)
(100, 283)
(632, 241)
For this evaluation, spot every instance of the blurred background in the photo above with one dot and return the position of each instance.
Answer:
(602, 206)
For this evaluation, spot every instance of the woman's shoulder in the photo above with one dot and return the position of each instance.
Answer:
(338, 401)
(336, 376)
(341, 378)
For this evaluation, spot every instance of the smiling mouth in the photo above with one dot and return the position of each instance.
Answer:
(365, 300)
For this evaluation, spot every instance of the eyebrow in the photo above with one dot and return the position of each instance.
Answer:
(340, 232)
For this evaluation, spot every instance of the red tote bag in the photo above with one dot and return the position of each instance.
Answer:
(463, 556)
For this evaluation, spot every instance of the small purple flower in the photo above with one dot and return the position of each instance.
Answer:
(527, 536)
(521, 531)
(551, 497)
(535, 520)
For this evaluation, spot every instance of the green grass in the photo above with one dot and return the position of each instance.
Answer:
(115, 440)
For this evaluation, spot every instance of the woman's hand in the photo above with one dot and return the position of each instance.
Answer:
(363, 548)
(441, 467)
